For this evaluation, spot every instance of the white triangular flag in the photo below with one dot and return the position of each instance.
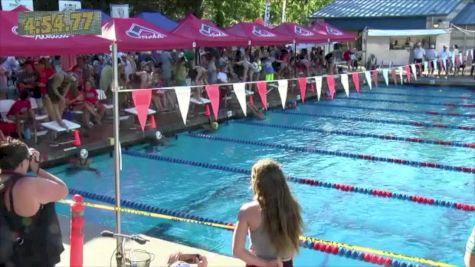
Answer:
(183, 95)
(400, 74)
(426, 67)
(452, 58)
(386, 76)
(367, 75)
(344, 82)
(283, 86)
(444, 63)
(240, 91)
(434, 63)
(461, 58)
(318, 82)
(414, 71)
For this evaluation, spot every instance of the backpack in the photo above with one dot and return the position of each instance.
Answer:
(8, 238)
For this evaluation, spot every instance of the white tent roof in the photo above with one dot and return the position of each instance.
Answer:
(421, 32)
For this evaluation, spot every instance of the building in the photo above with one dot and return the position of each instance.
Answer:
(390, 29)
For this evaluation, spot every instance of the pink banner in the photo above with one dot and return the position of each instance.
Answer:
(262, 89)
(213, 94)
(303, 88)
(407, 68)
(142, 100)
(393, 76)
(331, 85)
(356, 81)
(374, 77)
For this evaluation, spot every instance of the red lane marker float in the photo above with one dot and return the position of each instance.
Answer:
(312, 182)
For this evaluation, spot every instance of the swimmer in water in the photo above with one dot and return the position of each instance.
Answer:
(81, 163)
(211, 127)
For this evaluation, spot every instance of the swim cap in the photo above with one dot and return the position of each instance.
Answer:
(214, 125)
(158, 135)
(83, 153)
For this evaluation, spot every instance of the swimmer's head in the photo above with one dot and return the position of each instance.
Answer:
(158, 135)
(83, 154)
(214, 125)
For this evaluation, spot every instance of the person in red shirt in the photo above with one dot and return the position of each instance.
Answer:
(22, 113)
(92, 104)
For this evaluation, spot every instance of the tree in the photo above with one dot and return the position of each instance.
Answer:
(222, 12)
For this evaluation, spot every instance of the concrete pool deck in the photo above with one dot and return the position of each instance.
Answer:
(98, 250)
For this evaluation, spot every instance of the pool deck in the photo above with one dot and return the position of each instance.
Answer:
(98, 250)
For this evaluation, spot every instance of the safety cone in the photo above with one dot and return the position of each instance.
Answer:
(77, 138)
(207, 111)
(153, 124)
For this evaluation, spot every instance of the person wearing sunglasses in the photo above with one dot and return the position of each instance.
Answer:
(27, 196)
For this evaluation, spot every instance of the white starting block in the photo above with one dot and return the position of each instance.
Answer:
(200, 101)
(55, 128)
(133, 111)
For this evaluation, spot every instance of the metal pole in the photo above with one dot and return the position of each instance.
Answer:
(117, 153)
(284, 6)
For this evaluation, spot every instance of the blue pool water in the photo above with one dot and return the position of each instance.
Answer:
(425, 231)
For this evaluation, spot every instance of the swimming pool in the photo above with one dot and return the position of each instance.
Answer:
(304, 140)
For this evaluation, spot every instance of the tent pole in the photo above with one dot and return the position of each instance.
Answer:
(117, 154)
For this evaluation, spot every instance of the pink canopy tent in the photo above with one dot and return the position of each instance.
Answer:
(257, 34)
(20, 8)
(333, 34)
(299, 33)
(13, 44)
(136, 34)
(206, 34)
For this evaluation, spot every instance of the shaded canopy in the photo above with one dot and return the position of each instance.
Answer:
(135, 34)
(206, 34)
(299, 33)
(257, 34)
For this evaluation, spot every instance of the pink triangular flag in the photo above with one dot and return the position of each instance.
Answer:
(393, 76)
(374, 77)
(331, 85)
(142, 100)
(213, 94)
(356, 81)
(262, 89)
(303, 88)
(407, 68)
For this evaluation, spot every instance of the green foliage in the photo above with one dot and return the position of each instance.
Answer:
(222, 12)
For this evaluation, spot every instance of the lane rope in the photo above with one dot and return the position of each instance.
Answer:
(416, 95)
(356, 134)
(312, 182)
(337, 153)
(346, 250)
(446, 104)
(432, 113)
(395, 122)
(421, 89)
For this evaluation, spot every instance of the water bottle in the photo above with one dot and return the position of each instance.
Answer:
(27, 133)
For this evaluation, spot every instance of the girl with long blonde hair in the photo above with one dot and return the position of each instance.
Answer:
(273, 220)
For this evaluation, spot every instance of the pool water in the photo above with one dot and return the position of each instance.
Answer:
(433, 232)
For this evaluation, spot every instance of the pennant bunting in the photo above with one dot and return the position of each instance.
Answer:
(213, 94)
(386, 76)
(283, 87)
(142, 100)
(240, 91)
(262, 90)
(426, 68)
(356, 81)
(452, 58)
(331, 85)
(400, 74)
(408, 72)
(345, 83)
(444, 64)
(303, 88)
(367, 75)
(414, 71)
(183, 96)
(375, 77)
(318, 83)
